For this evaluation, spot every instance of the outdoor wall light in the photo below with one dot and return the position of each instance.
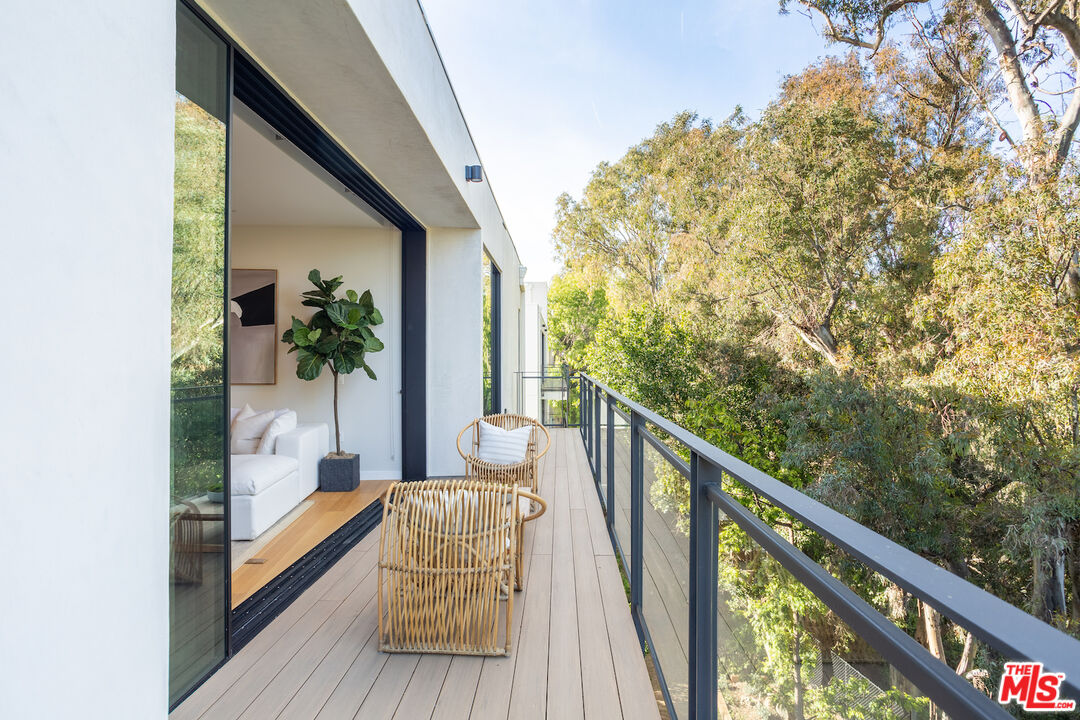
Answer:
(474, 173)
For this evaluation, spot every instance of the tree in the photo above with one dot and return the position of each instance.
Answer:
(575, 311)
(622, 223)
(337, 336)
(1036, 42)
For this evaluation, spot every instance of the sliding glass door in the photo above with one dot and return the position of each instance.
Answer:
(198, 579)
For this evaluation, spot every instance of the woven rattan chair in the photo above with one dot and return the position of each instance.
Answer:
(526, 472)
(446, 561)
(523, 474)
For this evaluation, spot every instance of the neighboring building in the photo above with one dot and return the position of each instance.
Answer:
(535, 357)
(303, 135)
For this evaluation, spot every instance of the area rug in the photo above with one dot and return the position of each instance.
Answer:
(244, 550)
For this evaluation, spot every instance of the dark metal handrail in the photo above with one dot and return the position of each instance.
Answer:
(1011, 631)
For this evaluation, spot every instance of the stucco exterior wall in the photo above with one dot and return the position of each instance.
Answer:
(86, 195)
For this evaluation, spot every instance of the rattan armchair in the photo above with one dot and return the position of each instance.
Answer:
(523, 474)
(446, 560)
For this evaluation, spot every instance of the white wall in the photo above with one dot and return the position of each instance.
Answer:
(86, 193)
(367, 259)
(454, 344)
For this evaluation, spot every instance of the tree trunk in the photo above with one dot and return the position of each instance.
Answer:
(799, 712)
(337, 425)
(932, 628)
(1074, 570)
(1048, 591)
(967, 658)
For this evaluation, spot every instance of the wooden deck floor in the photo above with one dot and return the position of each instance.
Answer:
(575, 654)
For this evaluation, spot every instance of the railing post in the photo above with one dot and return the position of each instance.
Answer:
(610, 465)
(701, 655)
(637, 515)
(597, 449)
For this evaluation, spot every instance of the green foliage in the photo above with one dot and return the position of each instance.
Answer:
(197, 308)
(575, 311)
(856, 294)
(337, 336)
(198, 266)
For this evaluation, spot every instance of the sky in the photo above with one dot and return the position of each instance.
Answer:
(551, 88)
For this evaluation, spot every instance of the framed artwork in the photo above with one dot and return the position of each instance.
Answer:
(253, 327)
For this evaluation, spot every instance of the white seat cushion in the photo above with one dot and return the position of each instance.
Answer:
(503, 447)
(251, 474)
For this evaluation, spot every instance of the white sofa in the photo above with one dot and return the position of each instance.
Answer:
(266, 487)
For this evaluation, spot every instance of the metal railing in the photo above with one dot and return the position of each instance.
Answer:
(550, 395)
(690, 685)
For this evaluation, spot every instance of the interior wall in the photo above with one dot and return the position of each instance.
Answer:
(370, 411)
(86, 221)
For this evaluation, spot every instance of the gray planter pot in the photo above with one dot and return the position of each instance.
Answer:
(339, 474)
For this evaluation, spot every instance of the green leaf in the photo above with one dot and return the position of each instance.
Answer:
(355, 318)
(370, 372)
(297, 324)
(376, 316)
(366, 302)
(373, 344)
(287, 336)
(327, 345)
(301, 337)
(313, 335)
(315, 277)
(332, 284)
(308, 365)
(337, 313)
(322, 321)
(351, 294)
(344, 363)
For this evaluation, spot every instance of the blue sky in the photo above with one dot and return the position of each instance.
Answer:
(552, 88)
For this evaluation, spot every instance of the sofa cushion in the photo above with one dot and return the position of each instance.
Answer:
(248, 431)
(284, 421)
(251, 474)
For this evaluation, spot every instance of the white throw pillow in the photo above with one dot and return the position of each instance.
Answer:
(248, 431)
(503, 447)
(242, 414)
(284, 421)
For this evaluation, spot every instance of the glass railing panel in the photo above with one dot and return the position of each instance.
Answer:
(945, 638)
(621, 503)
(665, 581)
(603, 452)
(782, 653)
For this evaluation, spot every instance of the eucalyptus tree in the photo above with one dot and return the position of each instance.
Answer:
(1037, 48)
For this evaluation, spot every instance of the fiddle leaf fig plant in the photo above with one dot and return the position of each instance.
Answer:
(338, 335)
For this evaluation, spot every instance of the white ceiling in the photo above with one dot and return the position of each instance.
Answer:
(269, 187)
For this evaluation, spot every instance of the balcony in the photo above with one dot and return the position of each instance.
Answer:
(761, 631)
(575, 648)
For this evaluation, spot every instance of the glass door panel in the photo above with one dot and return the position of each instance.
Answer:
(198, 568)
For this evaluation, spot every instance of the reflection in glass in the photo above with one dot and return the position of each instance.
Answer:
(665, 578)
(488, 347)
(196, 514)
